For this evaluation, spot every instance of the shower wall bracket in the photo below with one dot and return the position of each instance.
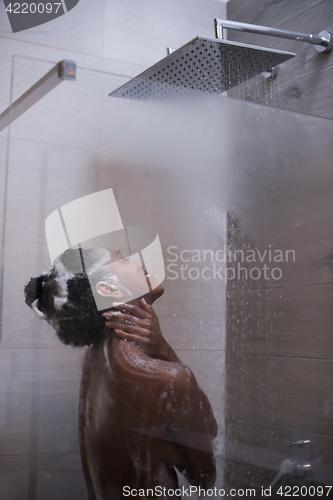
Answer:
(323, 41)
(64, 70)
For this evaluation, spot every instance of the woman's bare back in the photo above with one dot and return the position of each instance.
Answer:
(139, 418)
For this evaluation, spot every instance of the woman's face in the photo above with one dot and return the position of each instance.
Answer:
(132, 275)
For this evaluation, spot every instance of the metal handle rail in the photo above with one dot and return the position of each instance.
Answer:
(323, 41)
(64, 70)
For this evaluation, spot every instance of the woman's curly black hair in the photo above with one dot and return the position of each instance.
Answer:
(77, 322)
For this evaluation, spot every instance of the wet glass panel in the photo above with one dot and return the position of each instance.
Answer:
(236, 198)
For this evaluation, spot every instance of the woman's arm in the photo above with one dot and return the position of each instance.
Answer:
(181, 409)
(140, 324)
(195, 430)
(162, 400)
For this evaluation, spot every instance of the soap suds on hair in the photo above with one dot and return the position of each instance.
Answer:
(101, 256)
(62, 298)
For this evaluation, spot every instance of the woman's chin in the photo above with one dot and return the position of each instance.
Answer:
(154, 294)
(157, 292)
(151, 296)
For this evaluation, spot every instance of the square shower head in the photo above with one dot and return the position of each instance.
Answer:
(205, 65)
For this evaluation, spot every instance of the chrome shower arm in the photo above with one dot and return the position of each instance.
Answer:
(323, 41)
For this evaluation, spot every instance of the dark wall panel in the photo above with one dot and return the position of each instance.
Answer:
(279, 335)
(302, 84)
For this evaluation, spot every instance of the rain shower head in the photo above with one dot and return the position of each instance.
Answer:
(203, 64)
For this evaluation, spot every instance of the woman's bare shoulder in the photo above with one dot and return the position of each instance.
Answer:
(128, 360)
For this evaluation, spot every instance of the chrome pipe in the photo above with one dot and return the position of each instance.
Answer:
(323, 41)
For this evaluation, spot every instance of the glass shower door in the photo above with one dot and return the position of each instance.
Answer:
(163, 166)
(240, 197)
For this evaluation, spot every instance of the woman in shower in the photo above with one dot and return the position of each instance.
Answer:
(141, 413)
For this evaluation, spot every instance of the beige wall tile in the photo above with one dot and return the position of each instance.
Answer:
(39, 400)
(60, 476)
(42, 178)
(155, 26)
(14, 477)
(124, 68)
(3, 159)
(16, 387)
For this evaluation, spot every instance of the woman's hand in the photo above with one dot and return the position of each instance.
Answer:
(140, 324)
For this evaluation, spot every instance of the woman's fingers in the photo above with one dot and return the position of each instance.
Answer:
(148, 308)
(138, 324)
(128, 328)
(126, 318)
(133, 310)
(131, 338)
